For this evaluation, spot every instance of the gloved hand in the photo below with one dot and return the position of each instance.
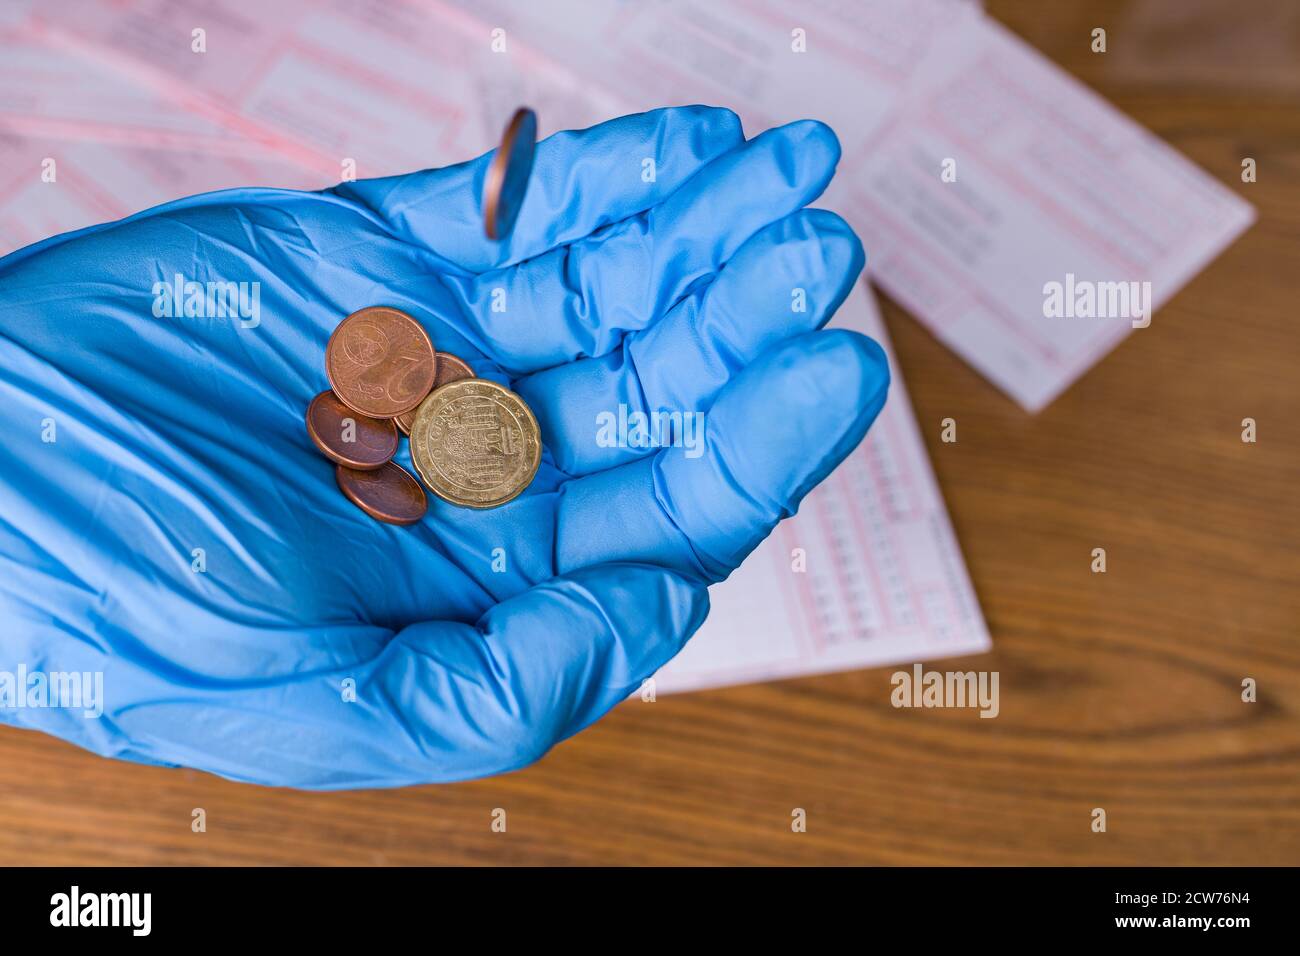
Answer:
(476, 639)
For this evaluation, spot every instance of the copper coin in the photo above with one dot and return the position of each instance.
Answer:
(349, 439)
(450, 369)
(390, 493)
(380, 362)
(507, 177)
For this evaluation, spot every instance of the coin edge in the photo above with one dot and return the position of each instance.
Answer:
(495, 179)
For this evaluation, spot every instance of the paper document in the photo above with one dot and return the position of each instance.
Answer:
(868, 572)
(1053, 188)
(1050, 184)
(1050, 180)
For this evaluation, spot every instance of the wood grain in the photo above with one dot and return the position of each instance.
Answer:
(1119, 690)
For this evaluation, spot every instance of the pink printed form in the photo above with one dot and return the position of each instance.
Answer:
(288, 92)
(1048, 184)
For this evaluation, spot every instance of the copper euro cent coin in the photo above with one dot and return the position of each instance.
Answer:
(450, 369)
(507, 176)
(390, 493)
(347, 438)
(475, 443)
(380, 362)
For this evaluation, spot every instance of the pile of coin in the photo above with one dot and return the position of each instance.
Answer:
(473, 442)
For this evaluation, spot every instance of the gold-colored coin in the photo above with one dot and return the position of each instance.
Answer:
(475, 443)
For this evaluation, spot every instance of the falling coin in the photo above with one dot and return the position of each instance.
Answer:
(380, 362)
(450, 369)
(349, 439)
(390, 493)
(475, 443)
(507, 176)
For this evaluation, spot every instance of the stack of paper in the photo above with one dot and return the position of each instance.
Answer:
(1049, 181)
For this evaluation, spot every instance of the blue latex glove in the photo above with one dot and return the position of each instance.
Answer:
(176, 434)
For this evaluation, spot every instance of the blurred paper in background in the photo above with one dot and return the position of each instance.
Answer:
(1050, 180)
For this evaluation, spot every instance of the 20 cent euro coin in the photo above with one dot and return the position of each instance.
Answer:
(475, 443)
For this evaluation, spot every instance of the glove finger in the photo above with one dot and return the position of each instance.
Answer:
(774, 433)
(440, 701)
(581, 299)
(788, 279)
(581, 181)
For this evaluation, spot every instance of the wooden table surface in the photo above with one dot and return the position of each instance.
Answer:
(1120, 691)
